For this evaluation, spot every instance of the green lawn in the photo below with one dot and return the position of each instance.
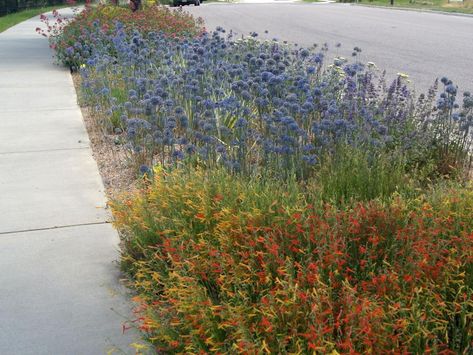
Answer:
(10, 20)
(440, 5)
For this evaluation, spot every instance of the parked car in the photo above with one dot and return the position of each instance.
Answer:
(186, 2)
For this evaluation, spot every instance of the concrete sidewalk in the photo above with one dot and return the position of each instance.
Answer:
(59, 289)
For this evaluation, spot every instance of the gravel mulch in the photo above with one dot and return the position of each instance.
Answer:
(118, 174)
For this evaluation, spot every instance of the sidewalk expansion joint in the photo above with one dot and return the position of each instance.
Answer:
(43, 150)
(54, 228)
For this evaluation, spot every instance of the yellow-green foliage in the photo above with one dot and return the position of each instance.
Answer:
(225, 264)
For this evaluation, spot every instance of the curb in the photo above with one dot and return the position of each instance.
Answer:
(432, 11)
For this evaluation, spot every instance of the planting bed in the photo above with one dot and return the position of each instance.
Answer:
(270, 202)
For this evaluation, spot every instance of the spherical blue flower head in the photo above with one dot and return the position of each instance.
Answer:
(441, 103)
(235, 87)
(326, 124)
(190, 149)
(316, 128)
(340, 123)
(291, 97)
(270, 62)
(246, 95)
(350, 69)
(268, 146)
(276, 56)
(310, 70)
(451, 89)
(159, 91)
(466, 94)
(310, 159)
(200, 50)
(91, 61)
(182, 141)
(318, 58)
(178, 155)
(136, 39)
(246, 111)
(304, 53)
(287, 150)
(295, 107)
(118, 25)
(468, 102)
(208, 113)
(382, 129)
(281, 68)
(138, 124)
(261, 102)
(170, 123)
(208, 127)
(308, 147)
(155, 100)
(131, 133)
(275, 80)
(444, 80)
(241, 123)
(294, 126)
(235, 166)
(146, 171)
(203, 152)
(332, 109)
(308, 106)
(220, 149)
(169, 141)
(375, 142)
(208, 104)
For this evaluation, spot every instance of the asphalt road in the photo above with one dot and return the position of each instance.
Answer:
(423, 45)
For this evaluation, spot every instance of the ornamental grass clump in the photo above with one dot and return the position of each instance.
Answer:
(228, 264)
(266, 108)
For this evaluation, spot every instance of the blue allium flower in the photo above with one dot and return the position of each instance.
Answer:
(146, 171)
(452, 90)
(252, 106)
